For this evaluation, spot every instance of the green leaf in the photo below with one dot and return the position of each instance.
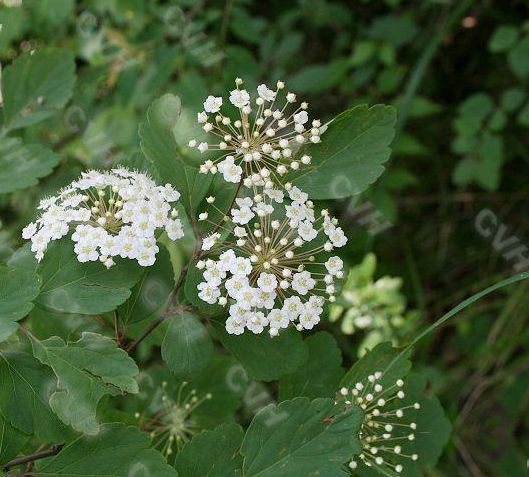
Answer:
(433, 428)
(118, 451)
(512, 99)
(22, 165)
(159, 147)
(187, 347)
(151, 292)
(220, 445)
(320, 375)
(24, 394)
(381, 358)
(265, 358)
(301, 438)
(523, 116)
(87, 370)
(17, 290)
(36, 85)
(11, 441)
(518, 59)
(476, 107)
(84, 288)
(503, 38)
(351, 153)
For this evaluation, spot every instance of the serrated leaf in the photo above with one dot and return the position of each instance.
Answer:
(118, 451)
(350, 155)
(24, 394)
(151, 291)
(320, 375)
(35, 85)
(69, 286)
(187, 347)
(22, 165)
(11, 441)
(301, 437)
(18, 288)
(87, 370)
(265, 358)
(159, 147)
(220, 445)
(382, 358)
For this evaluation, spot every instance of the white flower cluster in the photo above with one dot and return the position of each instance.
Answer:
(387, 433)
(259, 146)
(273, 273)
(115, 213)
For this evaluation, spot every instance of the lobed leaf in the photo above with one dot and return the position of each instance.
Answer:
(87, 370)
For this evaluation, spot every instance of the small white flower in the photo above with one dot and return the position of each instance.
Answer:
(239, 98)
(29, 231)
(207, 292)
(265, 93)
(209, 241)
(334, 265)
(301, 118)
(256, 321)
(242, 216)
(267, 282)
(303, 282)
(212, 104)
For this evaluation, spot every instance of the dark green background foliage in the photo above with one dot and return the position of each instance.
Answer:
(447, 212)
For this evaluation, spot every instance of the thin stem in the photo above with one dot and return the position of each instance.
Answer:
(54, 450)
(131, 347)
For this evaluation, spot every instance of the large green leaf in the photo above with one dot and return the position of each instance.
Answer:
(320, 375)
(159, 146)
(382, 359)
(85, 288)
(22, 165)
(350, 155)
(221, 446)
(11, 441)
(17, 290)
(87, 370)
(187, 347)
(265, 358)
(24, 393)
(151, 292)
(118, 451)
(301, 438)
(36, 85)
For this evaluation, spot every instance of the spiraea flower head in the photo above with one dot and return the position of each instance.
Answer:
(113, 213)
(259, 145)
(169, 418)
(274, 269)
(389, 431)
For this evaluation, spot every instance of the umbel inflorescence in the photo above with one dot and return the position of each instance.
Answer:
(113, 213)
(258, 146)
(388, 432)
(169, 421)
(274, 268)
